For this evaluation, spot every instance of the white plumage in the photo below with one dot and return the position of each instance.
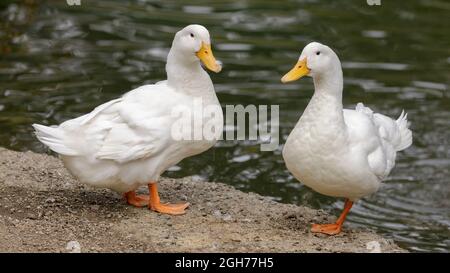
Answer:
(335, 151)
(127, 142)
(341, 152)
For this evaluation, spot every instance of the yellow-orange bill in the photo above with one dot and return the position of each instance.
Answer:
(300, 69)
(207, 58)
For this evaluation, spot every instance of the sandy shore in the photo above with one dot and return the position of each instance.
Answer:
(42, 209)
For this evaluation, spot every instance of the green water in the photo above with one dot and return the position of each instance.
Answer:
(59, 61)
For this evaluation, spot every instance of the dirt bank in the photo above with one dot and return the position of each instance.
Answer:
(42, 209)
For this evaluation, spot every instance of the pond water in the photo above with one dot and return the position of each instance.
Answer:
(60, 61)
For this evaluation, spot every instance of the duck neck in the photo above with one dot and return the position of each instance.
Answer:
(187, 76)
(330, 85)
(325, 106)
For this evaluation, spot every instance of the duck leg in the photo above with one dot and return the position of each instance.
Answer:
(136, 200)
(156, 205)
(333, 229)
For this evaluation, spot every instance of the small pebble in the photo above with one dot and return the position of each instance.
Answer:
(50, 200)
(227, 217)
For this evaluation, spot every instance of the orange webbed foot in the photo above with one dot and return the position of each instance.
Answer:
(136, 200)
(156, 205)
(336, 228)
(172, 209)
(329, 229)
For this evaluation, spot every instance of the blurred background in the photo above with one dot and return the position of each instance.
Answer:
(59, 61)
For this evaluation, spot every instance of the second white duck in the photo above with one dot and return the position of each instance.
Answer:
(335, 151)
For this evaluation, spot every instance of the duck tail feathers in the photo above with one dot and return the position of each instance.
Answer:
(405, 132)
(53, 137)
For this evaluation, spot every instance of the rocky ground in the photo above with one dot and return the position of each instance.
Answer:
(43, 209)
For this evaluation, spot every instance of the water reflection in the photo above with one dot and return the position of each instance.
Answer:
(59, 62)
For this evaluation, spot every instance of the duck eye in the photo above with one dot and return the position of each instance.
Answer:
(192, 35)
(318, 53)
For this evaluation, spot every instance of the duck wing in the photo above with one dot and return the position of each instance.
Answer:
(69, 138)
(378, 137)
(126, 129)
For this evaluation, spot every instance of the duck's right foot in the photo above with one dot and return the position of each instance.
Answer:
(329, 229)
(336, 228)
(136, 200)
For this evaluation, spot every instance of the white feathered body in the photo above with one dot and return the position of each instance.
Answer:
(127, 142)
(335, 151)
(132, 140)
(343, 153)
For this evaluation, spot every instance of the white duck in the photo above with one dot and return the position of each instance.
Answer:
(128, 142)
(335, 151)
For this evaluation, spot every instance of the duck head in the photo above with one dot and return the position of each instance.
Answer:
(317, 61)
(193, 44)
